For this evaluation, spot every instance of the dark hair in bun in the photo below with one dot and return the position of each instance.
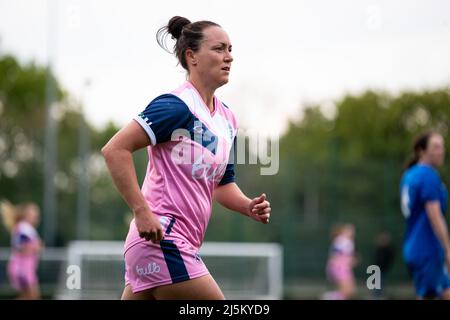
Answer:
(188, 35)
(176, 25)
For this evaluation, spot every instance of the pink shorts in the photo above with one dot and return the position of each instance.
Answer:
(339, 269)
(149, 265)
(22, 273)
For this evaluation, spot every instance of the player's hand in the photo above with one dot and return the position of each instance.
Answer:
(259, 209)
(148, 225)
(40, 246)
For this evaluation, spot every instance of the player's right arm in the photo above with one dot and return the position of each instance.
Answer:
(439, 226)
(119, 159)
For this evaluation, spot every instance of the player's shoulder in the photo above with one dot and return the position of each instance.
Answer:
(168, 100)
(167, 105)
(420, 170)
(26, 228)
(425, 175)
(429, 171)
(229, 114)
(227, 109)
(225, 105)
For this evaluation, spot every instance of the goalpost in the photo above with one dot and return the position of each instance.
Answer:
(242, 270)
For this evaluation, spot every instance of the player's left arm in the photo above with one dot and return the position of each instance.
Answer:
(439, 225)
(431, 196)
(231, 197)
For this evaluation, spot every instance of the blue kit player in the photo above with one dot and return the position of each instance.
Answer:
(426, 248)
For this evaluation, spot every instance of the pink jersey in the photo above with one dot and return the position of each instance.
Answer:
(23, 233)
(340, 261)
(342, 246)
(188, 158)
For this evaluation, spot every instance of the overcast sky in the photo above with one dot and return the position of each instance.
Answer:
(286, 53)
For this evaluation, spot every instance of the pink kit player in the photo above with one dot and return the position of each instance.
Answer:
(190, 136)
(25, 248)
(341, 261)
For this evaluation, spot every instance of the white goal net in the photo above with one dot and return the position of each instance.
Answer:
(242, 270)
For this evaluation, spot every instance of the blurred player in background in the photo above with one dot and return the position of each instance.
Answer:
(189, 133)
(426, 248)
(21, 221)
(341, 261)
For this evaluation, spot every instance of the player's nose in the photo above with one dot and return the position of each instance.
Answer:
(228, 57)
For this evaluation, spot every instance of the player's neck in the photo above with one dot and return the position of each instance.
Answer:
(206, 93)
(425, 162)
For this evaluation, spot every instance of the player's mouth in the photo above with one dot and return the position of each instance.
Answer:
(227, 69)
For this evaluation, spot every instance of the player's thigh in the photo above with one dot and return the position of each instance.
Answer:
(142, 295)
(201, 288)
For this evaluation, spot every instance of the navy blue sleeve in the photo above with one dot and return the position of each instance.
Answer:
(165, 114)
(431, 187)
(229, 175)
(20, 239)
(23, 238)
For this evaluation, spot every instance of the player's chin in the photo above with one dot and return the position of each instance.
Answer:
(223, 79)
(440, 162)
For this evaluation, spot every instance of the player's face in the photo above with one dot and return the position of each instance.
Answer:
(214, 57)
(436, 150)
(350, 232)
(33, 215)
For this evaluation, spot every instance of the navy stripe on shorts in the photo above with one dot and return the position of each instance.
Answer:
(174, 261)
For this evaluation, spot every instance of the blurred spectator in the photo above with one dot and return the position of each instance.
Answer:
(384, 258)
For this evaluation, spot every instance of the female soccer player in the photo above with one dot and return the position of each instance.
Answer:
(341, 261)
(26, 245)
(426, 248)
(190, 134)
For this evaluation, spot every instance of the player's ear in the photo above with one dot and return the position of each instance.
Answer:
(191, 57)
